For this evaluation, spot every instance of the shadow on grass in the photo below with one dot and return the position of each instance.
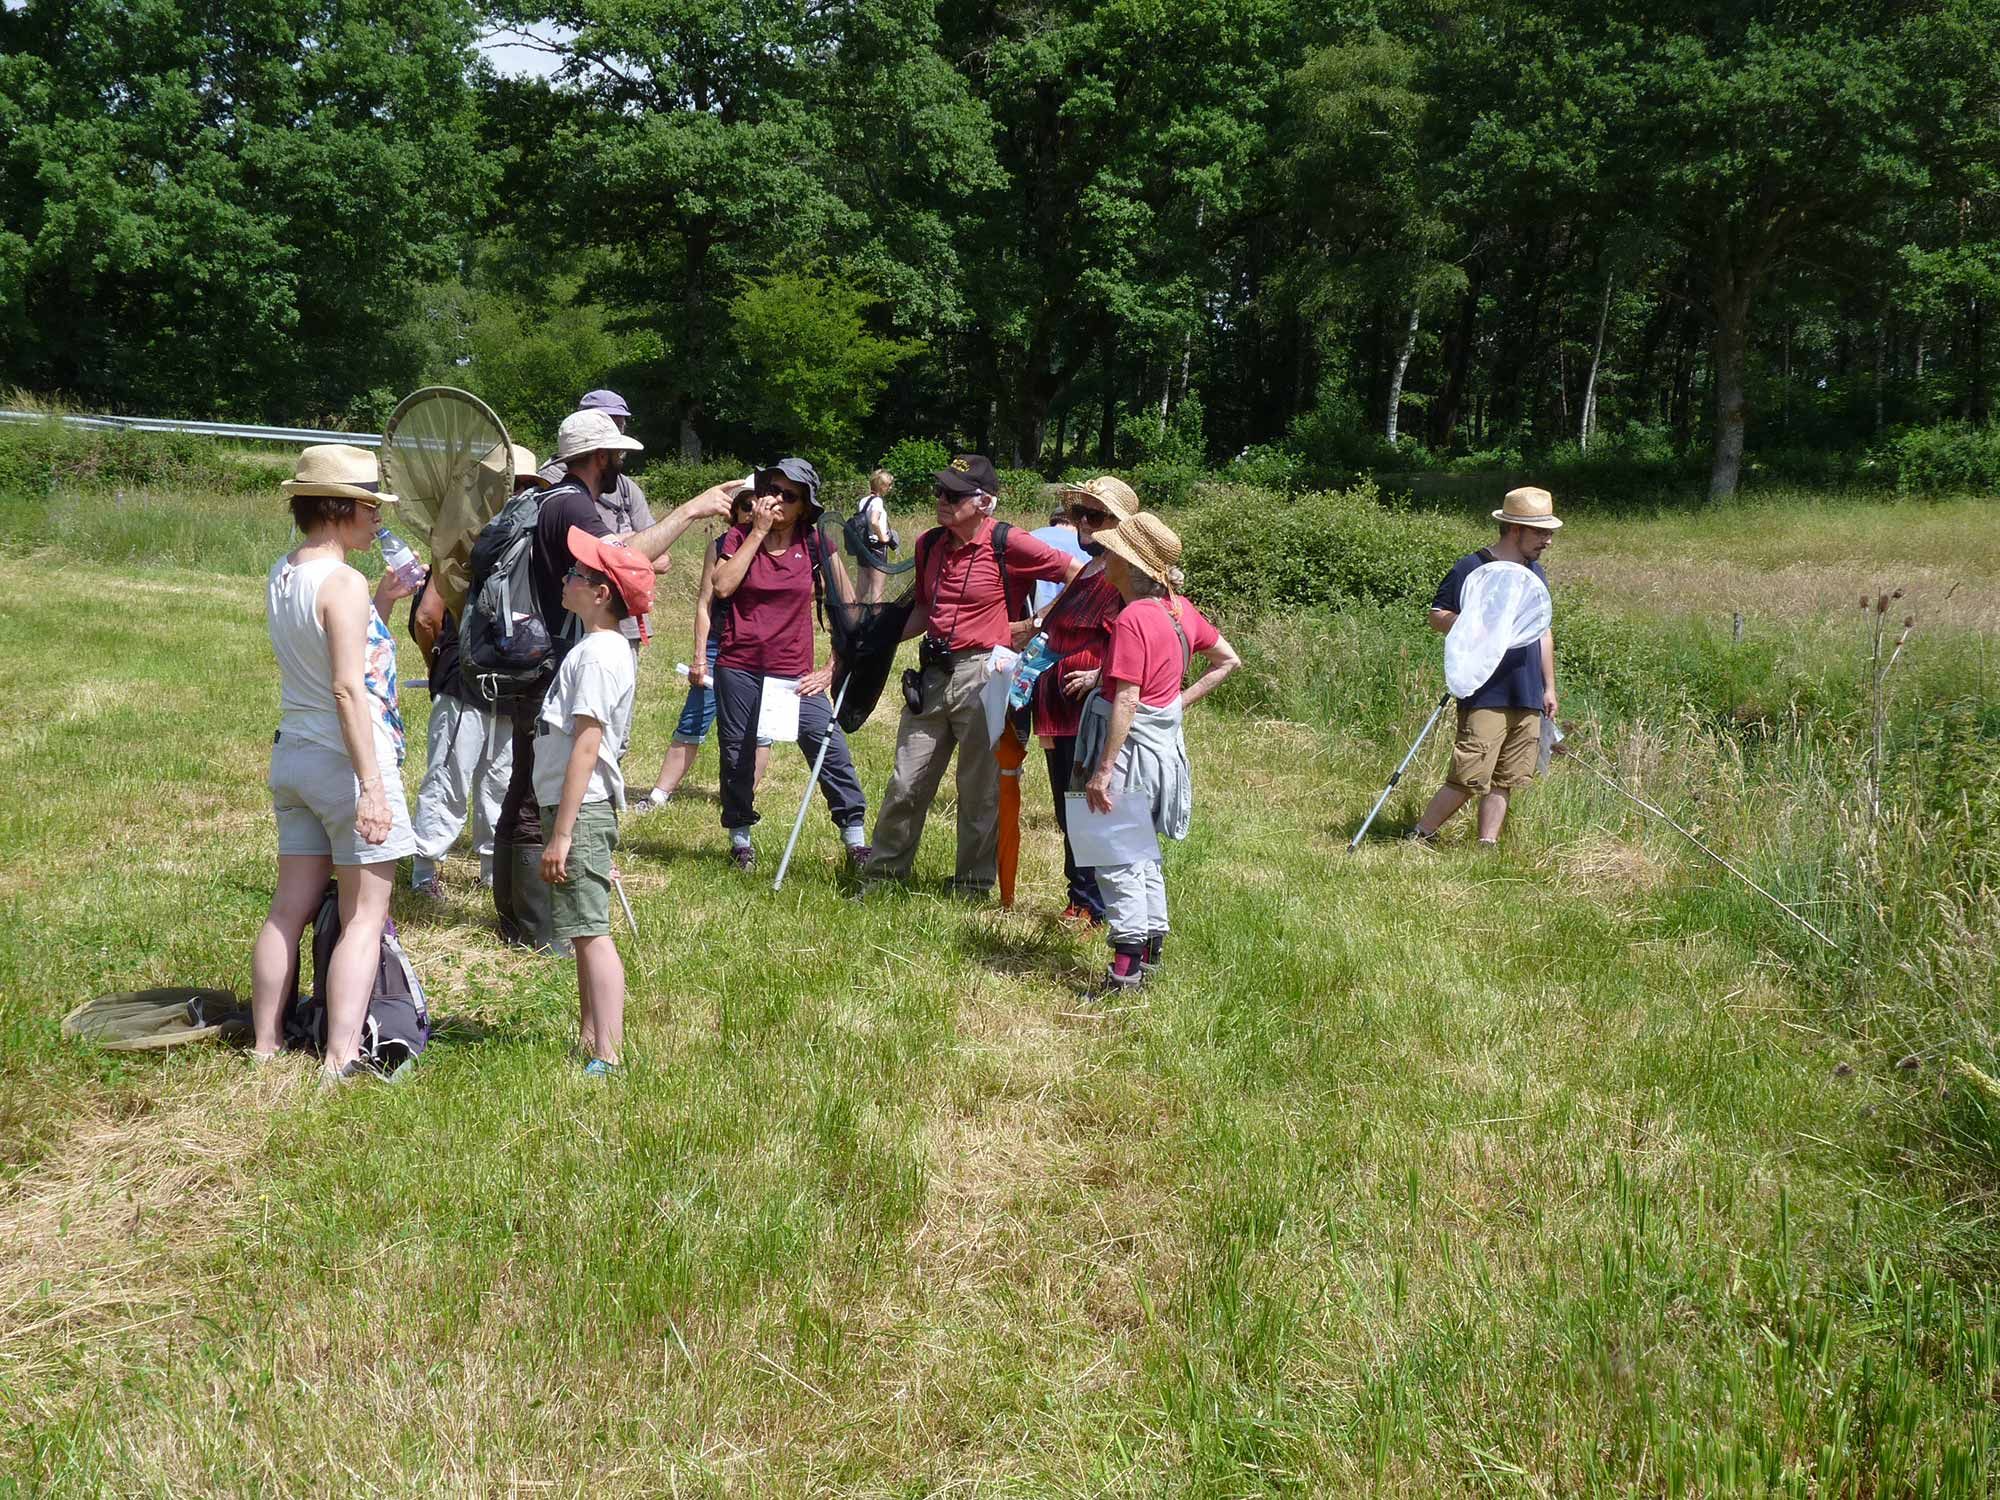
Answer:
(1026, 948)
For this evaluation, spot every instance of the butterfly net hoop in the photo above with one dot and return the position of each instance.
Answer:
(447, 459)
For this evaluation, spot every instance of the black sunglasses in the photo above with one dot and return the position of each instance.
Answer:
(1085, 513)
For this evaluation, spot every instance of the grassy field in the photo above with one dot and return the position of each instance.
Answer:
(1568, 1170)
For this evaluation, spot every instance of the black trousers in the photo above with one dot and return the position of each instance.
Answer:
(738, 697)
(520, 819)
(1060, 754)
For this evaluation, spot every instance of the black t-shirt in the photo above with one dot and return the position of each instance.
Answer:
(445, 679)
(1517, 681)
(567, 505)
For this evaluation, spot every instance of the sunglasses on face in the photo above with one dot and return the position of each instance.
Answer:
(1084, 513)
(779, 492)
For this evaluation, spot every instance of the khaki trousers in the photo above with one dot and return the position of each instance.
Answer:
(952, 719)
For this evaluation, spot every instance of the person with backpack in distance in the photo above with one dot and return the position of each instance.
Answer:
(335, 785)
(973, 576)
(470, 753)
(870, 537)
(516, 632)
(770, 575)
(1499, 740)
(580, 732)
(1130, 742)
(698, 711)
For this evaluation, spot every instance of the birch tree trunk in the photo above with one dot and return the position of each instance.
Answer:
(1396, 375)
(1587, 428)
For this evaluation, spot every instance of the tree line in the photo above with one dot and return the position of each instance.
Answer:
(1056, 230)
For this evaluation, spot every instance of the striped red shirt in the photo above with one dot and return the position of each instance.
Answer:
(1079, 630)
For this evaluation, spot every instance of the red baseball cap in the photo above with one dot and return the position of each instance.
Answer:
(631, 573)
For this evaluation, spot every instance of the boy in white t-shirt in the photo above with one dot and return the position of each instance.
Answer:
(579, 734)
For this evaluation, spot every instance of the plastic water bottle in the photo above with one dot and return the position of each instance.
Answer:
(399, 559)
(1035, 660)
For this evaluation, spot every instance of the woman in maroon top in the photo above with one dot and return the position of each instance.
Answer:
(767, 572)
(1078, 625)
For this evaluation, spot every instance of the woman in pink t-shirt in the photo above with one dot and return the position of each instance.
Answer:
(769, 572)
(1130, 743)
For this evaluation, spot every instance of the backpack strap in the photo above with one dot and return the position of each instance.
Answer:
(815, 554)
(1016, 595)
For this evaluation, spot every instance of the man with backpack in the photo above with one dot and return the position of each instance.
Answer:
(517, 631)
(973, 577)
(621, 503)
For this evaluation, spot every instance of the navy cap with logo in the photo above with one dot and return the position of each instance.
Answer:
(969, 474)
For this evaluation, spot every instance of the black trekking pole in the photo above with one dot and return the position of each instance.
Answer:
(1422, 735)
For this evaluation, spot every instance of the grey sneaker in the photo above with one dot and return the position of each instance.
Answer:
(431, 890)
(745, 856)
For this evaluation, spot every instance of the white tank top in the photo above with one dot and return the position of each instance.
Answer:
(307, 712)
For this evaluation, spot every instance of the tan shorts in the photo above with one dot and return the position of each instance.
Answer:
(1496, 749)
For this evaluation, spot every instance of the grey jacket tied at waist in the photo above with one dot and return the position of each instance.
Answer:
(1155, 757)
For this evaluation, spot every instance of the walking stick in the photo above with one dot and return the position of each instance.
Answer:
(1422, 735)
(819, 760)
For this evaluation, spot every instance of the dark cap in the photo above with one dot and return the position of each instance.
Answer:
(969, 474)
(799, 472)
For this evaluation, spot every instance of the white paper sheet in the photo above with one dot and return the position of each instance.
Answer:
(993, 693)
(778, 714)
(1123, 836)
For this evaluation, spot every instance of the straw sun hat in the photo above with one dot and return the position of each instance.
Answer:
(1147, 543)
(1108, 493)
(338, 469)
(1529, 506)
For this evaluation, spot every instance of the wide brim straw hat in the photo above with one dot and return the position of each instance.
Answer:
(1529, 506)
(1112, 495)
(1147, 543)
(338, 469)
(525, 467)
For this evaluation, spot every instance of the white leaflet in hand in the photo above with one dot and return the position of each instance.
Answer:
(993, 692)
(1123, 836)
(1503, 605)
(778, 714)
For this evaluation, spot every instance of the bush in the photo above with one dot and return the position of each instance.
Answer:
(913, 461)
(1956, 458)
(1267, 466)
(1167, 452)
(39, 458)
(1321, 549)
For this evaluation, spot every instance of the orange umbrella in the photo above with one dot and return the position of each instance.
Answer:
(1011, 751)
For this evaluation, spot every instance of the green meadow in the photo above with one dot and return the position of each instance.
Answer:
(1574, 1169)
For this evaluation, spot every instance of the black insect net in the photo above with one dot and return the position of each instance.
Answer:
(867, 599)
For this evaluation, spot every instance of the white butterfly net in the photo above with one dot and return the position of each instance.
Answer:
(1503, 605)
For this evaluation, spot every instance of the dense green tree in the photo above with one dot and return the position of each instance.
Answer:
(227, 205)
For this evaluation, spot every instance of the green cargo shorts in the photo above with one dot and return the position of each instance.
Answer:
(581, 905)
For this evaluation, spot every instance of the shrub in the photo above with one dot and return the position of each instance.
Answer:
(913, 461)
(1318, 550)
(1952, 459)
(39, 458)
(1269, 466)
(1167, 452)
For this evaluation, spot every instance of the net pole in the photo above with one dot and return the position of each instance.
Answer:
(819, 761)
(1422, 735)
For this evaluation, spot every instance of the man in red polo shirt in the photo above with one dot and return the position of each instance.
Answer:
(965, 607)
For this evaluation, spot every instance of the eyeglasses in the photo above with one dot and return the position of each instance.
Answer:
(779, 492)
(579, 574)
(1085, 513)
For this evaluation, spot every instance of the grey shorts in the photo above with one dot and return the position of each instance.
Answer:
(314, 793)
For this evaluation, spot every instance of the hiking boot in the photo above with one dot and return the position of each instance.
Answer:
(1124, 974)
(1421, 839)
(430, 891)
(858, 856)
(745, 856)
(1149, 956)
(1080, 917)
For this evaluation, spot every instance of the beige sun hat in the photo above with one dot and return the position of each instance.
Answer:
(338, 469)
(587, 431)
(525, 467)
(1147, 543)
(1529, 506)
(1111, 493)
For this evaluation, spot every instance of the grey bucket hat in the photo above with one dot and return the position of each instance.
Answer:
(799, 472)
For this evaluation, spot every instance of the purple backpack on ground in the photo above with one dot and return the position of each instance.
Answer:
(398, 1025)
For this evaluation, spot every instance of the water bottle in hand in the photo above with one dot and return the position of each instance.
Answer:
(1035, 660)
(400, 560)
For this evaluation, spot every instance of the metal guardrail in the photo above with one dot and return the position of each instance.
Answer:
(301, 435)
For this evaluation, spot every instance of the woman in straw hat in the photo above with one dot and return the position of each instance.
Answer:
(335, 782)
(1077, 625)
(1130, 743)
